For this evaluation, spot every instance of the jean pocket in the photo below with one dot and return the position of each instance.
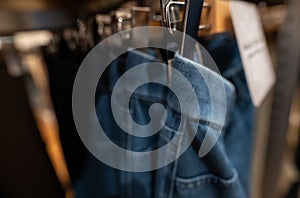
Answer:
(208, 186)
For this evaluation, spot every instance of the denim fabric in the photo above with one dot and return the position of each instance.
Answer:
(239, 134)
(224, 171)
(100, 180)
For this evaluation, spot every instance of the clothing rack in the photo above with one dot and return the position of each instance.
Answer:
(99, 19)
(14, 21)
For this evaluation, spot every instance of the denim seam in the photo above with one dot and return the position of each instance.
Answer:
(199, 120)
(212, 72)
(172, 130)
(155, 100)
(207, 179)
(175, 168)
(230, 110)
(147, 98)
(129, 175)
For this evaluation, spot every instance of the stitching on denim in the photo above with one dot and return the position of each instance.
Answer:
(167, 137)
(172, 130)
(207, 179)
(182, 61)
(200, 120)
(191, 118)
(175, 168)
(148, 98)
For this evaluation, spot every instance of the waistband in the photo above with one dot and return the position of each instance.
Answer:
(149, 92)
(209, 87)
(201, 78)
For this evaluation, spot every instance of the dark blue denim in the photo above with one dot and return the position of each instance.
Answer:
(239, 134)
(225, 170)
(100, 180)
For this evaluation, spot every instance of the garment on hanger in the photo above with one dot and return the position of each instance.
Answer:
(225, 171)
(112, 182)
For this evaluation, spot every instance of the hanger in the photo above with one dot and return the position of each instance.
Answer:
(216, 18)
(192, 16)
(189, 25)
(13, 21)
(190, 22)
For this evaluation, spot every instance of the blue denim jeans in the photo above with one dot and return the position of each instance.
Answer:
(224, 171)
(238, 136)
(100, 180)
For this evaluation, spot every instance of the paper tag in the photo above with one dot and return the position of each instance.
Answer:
(253, 48)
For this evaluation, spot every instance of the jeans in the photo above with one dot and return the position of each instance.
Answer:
(100, 180)
(224, 171)
(240, 131)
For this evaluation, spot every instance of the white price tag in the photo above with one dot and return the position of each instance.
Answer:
(253, 48)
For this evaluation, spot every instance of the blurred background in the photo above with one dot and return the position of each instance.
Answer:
(42, 43)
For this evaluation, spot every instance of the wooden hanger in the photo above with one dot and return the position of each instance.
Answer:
(216, 17)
